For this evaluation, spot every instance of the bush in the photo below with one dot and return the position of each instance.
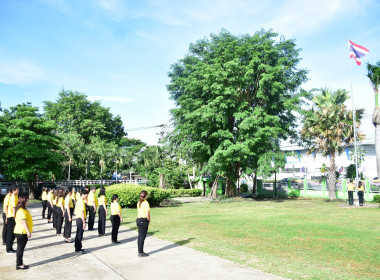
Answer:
(185, 192)
(244, 187)
(129, 194)
(376, 198)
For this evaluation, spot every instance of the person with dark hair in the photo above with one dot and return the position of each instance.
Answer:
(44, 201)
(92, 201)
(5, 211)
(11, 220)
(54, 199)
(86, 200)
(350, 190)
(69, 210)
(115, 217)
(361, 193)
(60, 212)
(80, 213)
(50, 205)
(102, 212)
(142, 221)
(23, 230)
(73, 197)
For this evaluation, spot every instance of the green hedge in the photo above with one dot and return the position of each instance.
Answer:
(185, 192)
(376, 198)
(129, 194)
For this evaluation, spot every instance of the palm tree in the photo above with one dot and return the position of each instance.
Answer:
(373, 73)
(328, 126)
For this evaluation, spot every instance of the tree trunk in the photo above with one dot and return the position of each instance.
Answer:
(85, 184)
(229, 188)
(214, 188)
(376, 122)
(162, 181)
(31, 189)
(332, 178)
(254, 185)
(188, 176)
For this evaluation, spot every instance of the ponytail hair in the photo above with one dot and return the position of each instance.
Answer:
(114, 196)
(143, 195)
(21, 202)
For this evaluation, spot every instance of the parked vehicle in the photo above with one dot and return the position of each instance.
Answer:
(4, 187)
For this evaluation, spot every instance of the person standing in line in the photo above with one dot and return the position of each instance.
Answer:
(5, 211)
(115, 218)
(73, 197)
(69, 210)
(13, 199)
(351, 189)
(102, 212)
(54, 199)
(23, 230)
(92, 206)
(80, 213)
(44, 201)
(50, 205)
(142, 221)
(86, 200)
(361, 190)
(60, 212)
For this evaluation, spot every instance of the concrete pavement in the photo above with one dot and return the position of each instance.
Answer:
(50, 258)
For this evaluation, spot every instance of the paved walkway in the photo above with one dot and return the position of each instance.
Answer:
(50, 258)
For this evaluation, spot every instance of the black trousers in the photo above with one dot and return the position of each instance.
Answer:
(44, 205)
(54, 216)
(350, 197)
(115, 220)
(22, 239)
(5, 227)
(361, 197)
(68, 225)
(91, 217)
(59, 220)
(79, 235)
(102, 220)
(50, 210)
(10, 235)
(143, 225)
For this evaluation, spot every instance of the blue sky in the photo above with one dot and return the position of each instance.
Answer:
(119, 52)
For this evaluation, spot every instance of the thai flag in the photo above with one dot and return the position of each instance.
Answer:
(357, 51)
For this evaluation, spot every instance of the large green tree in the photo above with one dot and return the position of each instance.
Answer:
(29, 145)
(328, 126)
(373, 73)
(234, 96)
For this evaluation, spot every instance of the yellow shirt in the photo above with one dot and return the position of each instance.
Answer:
(142, 211)
(78, 195)
(6, 202)
(102, 199)
(23, 214)
(12, 203)
(59, 201)
(79, 208)
(69, 201)
(73, 196)
(91, 198)
(44, 195)
(350, 187)
(115, 207)
(361, 188)
(49, 196)
(55, 200)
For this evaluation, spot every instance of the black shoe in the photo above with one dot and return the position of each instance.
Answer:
(143, 255)
(11, 251)
(25, 267)
(116, 242)
(80, 251)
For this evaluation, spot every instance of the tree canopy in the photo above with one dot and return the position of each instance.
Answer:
(234, 95)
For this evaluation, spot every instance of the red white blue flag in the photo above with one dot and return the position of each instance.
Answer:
(357, 51)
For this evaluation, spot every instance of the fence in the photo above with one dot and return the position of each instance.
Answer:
(312, 188)
(83, 183)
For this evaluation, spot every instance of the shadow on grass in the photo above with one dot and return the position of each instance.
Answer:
(171, 246)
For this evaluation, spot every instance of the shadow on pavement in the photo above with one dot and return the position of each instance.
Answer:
(171, 246)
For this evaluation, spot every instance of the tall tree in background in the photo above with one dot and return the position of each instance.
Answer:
(328, 126)
(29, 145)
(373, 73)
(233, 95)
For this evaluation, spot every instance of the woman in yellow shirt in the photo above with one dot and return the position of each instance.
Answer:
(361, 193)
(44, 201)
(23, 230)
(102, 211)
(115, 217)
(50, 204)
(69, 210)
(143, 220)
(54, 199)
(60, 212)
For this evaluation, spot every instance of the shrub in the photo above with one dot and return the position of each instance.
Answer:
(185, 192)
(129, 194)
(376, 198)
(244, 187)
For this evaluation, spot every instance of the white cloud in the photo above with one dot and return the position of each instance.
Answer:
(20, 72)
(118, 99)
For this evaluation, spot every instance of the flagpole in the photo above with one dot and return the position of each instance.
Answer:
(354, 124)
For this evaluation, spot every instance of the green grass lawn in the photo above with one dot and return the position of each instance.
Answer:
(298, 239)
